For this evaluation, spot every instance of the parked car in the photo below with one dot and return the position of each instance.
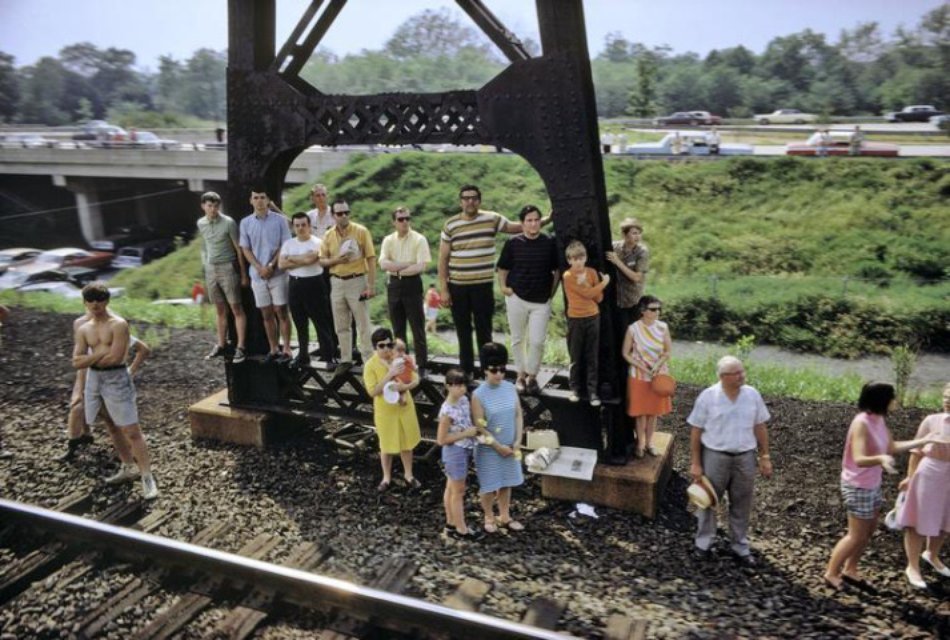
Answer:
(785, 116)
(840, 146)
(138, 254)
(72, 257)
(149, 140)
(124, 237)
(693, 143)
(914, 113)
(692, 118)
(27, 140)
(17, 257)
(30, 273)
(64, 288)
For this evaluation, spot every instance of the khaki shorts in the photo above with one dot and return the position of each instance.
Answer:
(271, 292)
(223, 282)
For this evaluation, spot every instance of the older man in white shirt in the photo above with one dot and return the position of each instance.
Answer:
(729, 439)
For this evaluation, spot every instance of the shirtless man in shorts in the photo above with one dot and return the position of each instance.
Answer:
(77, 429)
(102, 346)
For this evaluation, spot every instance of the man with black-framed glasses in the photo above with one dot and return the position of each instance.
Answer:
(467, 270)
(404, 255)
(348, 252)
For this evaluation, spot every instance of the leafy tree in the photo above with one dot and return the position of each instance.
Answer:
(9, 88)
(204, 78)
(616, 48)
(43, 90)
(434, 34)
(642, 100)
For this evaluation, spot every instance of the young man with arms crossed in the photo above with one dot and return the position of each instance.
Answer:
(262, 236)
(220, 250)
(102, 345)
(404, 255)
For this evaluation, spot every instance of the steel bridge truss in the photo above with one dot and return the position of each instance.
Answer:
(541, 108)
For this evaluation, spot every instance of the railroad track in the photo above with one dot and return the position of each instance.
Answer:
(193, 577)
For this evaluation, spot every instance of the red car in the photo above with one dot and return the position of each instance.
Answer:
(692, 118)
(839, 144)
(72, 257)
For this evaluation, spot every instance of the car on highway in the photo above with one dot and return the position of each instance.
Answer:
(72, 257)
(138, 254)
(691, 118)
(27, 141)
(914, 113)
(785, 116)
(148, 140)
(840, 145)
(691, 143)
(31, 273)
(17, 257)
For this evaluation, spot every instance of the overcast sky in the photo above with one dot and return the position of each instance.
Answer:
(30, 29)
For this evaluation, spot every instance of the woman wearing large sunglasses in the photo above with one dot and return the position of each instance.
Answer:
(397, 425)
(497, 412)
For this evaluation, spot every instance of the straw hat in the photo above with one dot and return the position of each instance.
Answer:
(702, 494)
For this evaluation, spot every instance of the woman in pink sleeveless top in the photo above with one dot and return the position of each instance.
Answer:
(868, 450)
(925, 515)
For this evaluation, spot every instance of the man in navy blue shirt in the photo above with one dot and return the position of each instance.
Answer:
(528, 275)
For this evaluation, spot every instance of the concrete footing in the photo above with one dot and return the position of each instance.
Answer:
(637, 486)
(212, 418)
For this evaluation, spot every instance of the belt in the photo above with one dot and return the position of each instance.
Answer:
(397, 277)
(112, 368)
(349, 277)
(305, 277)
(732, 454)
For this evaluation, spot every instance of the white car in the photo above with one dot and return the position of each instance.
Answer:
(785, 116)
(149, 140)
(689, 143)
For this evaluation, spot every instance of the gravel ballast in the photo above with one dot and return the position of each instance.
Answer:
(303, 490)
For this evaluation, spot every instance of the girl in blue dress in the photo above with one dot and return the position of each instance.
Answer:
(497, 411)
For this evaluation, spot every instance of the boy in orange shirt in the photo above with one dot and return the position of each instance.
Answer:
(583, 291)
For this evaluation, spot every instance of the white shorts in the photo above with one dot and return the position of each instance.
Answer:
(271, 292)
(432, 313)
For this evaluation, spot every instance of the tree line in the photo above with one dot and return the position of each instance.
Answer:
(863, 72)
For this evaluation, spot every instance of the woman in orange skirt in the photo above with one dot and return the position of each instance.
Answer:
(646, 347)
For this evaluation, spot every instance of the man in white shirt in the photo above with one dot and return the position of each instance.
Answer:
(300, 257)
(404, 255)
(321, 221)
(728, 423)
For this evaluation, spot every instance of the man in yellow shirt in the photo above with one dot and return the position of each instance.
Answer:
(347, 251)
(404, 255)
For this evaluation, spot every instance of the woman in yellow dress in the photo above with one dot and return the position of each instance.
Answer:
(397, 425)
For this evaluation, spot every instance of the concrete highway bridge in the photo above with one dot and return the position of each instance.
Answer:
(52, 190)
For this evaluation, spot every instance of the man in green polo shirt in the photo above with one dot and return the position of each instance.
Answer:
(225, 272)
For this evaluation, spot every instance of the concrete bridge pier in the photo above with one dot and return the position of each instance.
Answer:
(87, 205)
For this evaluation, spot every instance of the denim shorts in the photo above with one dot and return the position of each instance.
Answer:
(861, 503)
(456, 460)
(114, 388)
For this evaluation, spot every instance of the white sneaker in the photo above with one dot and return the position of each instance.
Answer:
(149, 488)
(125, 473)
(574, 397)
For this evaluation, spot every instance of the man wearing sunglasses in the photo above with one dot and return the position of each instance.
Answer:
(347, 251)
(404, 255)
(467, 270)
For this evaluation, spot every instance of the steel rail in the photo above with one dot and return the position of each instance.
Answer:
(298, 587)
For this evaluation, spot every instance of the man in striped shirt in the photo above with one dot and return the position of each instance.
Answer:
(466, 271)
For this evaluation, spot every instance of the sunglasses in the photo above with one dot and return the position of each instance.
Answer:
(654, 308)
(404, 219)
(95, 297)
(385, 345)
(495, 369)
